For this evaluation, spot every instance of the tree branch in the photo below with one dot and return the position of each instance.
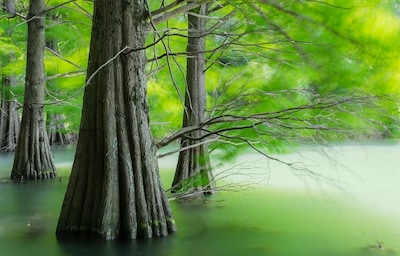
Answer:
(64, 59)
(162, 15)
(59, 5)
(266, 118)
(68, 74)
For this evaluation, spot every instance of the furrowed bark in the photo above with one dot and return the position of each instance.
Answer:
(115, 189)
(193, 171)
(33, 158)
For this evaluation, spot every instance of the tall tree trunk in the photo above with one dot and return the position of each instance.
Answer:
(9, 116)
(115, 190)
(33, 157)
(9, 6)
(193, 172)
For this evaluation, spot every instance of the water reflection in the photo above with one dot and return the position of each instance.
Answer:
(100, 248)
(280, 217)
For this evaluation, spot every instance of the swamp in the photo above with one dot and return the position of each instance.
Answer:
(356, 214)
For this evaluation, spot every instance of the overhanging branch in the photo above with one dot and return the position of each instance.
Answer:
(284, 119)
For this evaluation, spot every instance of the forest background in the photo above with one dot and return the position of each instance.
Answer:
(332, 63)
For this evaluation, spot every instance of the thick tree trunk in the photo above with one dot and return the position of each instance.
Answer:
(33, 157)
(115, 190)
(193, 173)
(9, 117)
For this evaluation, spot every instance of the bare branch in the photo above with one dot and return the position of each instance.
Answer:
(330, 5)
(280, 30)
(105, 64)
(68, 74)
(284, 119)
(166, 8)
(310, 20)
(59, 5)
(64, 59)
(186, 148)
(161, 16)
(88, 14)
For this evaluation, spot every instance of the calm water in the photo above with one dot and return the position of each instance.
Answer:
(285, 214)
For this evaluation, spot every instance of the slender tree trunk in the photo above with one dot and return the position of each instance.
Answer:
(115, 190)
(9, 116)
(9, 6)
(56, 130)
(33, 157)
(193, 172)
(55, 122)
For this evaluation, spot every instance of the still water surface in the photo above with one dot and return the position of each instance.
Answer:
(284, 215)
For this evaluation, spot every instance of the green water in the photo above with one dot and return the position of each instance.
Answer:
(284, 215)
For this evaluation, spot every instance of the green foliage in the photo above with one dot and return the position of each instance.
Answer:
(263, 57)
(166, 69)
(68, 27)
(271, 57)
(309, 57)
(165, 109)
(12, 44)
(68, 37)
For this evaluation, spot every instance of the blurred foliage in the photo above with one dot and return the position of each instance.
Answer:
(68, 28)
(262, 57)
(272, 56)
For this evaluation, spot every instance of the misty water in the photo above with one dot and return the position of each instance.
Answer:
(353, 209)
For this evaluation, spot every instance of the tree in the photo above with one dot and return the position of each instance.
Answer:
(67, 38)
(295, 74)
(33, 157)
(9, 115)
(57, 133)
(114, 190)
(56, 130)
(193, 172)
(9, 6)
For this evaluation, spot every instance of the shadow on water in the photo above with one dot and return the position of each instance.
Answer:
(267, 220)
(92, 247)
(198, 235)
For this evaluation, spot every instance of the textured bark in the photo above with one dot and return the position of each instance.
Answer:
(9, 117)
(115, 190)
(33, 158)
(193, 172)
